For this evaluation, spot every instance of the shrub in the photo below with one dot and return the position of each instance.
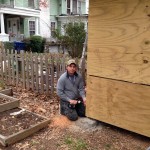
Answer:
(73, 38)
(8, 45)
(35, 44)
(27, 44)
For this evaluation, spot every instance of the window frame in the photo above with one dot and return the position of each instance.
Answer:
(31, 5)
(79, 11)
(74, 7)
(53, 27)
(68, 7)
(31, 30)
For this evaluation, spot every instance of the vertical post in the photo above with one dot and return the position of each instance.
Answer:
(47, 74)
(12, 65)
(2, 23)
(9, 67)
(52, 75)
(41, 74)
(16, 68)
(32, 71)
(1, 64)
(27, 72)
(37, 72)
(23, 69)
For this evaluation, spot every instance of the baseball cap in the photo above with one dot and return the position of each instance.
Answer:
(71, 61)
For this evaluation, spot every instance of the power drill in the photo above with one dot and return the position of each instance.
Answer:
(72, 105)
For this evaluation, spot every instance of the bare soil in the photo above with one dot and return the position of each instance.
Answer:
(10, 124)
(62, 134)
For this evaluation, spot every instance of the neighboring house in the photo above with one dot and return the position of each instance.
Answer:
(64, 11)
(22, 18)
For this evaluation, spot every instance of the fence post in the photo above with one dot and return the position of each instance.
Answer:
(52, 74)
(23, 69)
(4, 62)
(27, 71)
(47, 75)
(9, 66)
(41, 74)
(32, 70)
(1, 63)
(17, 71)
(36, 72)
(12, 65)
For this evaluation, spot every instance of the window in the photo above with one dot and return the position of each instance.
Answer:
(74, 7)
(11, 2)
(31, 3)
(68, 7)
(31, 28)
(52, 28)
(79, 7)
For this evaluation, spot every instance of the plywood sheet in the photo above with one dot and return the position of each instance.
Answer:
(119, 39)
(122, 104)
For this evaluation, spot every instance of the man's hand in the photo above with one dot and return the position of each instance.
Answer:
(73, 102)
(84, 101)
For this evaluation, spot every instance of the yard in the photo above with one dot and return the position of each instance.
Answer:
(61, 134)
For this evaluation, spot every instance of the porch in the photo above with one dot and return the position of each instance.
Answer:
(12, 22)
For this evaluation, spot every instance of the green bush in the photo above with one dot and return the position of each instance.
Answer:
(72, 39)
(8, 45)
(35, 44)
(27, 44)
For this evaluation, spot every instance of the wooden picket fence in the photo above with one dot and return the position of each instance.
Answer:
(32, 71)
(38, 72)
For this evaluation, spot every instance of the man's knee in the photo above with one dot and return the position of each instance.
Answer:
(72, 114)
(81, 113)
(72, 117)
(81, 110)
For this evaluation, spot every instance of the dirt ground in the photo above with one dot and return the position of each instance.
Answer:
(62, 134)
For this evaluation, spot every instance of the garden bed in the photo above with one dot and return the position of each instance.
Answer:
(8, 92)
(17, 123)
(8, 102)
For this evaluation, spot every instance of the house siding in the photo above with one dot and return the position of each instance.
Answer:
(26, 29)
(64, 7)
(20, 3)
(24, 3)
(59, 7)
(54, 6)
(7, 2)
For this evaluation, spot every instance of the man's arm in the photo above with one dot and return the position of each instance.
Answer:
(60, 90)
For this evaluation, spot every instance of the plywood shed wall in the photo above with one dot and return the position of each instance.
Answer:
(118, 81)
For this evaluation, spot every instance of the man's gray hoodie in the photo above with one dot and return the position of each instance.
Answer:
(68, 90)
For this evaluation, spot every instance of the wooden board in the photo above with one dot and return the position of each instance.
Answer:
(8, 92)
(13, 103)
(119, 40)
(122, 104)
(7, 140)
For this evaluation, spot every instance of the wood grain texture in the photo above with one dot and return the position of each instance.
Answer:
(119, 40)
(122, 104)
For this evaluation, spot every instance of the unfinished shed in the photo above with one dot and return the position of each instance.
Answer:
(118, 68)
